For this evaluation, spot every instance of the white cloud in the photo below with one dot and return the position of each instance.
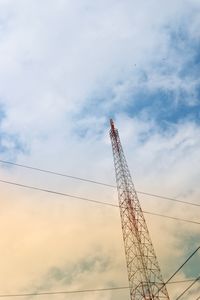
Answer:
(55, 60)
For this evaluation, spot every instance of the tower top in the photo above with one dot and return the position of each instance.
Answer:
(112, 125)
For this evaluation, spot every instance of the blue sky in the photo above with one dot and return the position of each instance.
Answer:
(66, 68)
(166, 106)
(10, 143)
(166, 90)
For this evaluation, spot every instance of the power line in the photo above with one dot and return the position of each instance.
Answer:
(193, 253)
(56, 173)
(170, 217)
(89, 200)
(197, 279)
(180, 281)
(95, 182)
(168, 198)
(63, 292)
(77, 291)
(56, 193)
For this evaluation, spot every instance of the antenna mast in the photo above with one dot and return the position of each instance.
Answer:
(144, 275)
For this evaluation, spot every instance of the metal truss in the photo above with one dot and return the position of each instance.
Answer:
(144, 274)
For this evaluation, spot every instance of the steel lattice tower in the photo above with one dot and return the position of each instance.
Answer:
(144, 275)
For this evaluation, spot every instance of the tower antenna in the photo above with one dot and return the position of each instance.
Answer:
(144, 274)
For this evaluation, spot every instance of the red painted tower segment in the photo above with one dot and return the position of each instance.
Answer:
(144, 275)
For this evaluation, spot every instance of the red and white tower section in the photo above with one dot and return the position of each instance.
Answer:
(144, 275)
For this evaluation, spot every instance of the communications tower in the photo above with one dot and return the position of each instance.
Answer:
(144, 275)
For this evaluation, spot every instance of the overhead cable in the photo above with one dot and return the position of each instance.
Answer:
(168, 198)
(172, 276)
(77, 291)
(180, 281)
(191, 255)
(55, 192)
(170, 217)
(62, 292)
(187, 289)
(89, 200)
(95, 182)
(56, 173)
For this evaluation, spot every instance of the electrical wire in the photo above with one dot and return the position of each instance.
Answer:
(191, 255)
(56, 173)
(180, 281)
(56, 193)
(170, 217)
(63, 292)
(77, 291)
(183, 293)
(94, 182)
(89, 200)
(168, 198)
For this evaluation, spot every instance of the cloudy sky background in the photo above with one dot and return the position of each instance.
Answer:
(66, 67)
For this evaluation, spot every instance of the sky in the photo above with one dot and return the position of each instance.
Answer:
(66, 68)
